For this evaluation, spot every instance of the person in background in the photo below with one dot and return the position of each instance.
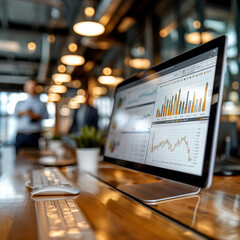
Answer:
(30, 113)
(85, 115)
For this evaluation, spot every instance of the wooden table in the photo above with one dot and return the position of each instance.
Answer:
(214, 213)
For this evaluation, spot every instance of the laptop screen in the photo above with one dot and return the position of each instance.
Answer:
(161, 120)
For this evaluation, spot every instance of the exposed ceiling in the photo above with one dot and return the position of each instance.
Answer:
(24, 21)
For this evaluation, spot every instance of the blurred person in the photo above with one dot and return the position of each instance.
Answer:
(30, 113)
(85, 115)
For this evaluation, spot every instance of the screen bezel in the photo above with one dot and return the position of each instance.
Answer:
(210, 149)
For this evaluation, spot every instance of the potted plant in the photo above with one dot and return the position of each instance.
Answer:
(88, 141)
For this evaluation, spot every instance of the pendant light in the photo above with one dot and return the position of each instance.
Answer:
(198, 38)
(108, 79)
(57, 89)
(73, 60)
(139, 58)
(60, 78)
(89, 27)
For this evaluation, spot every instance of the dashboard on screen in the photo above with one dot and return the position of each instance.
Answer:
(161, 120)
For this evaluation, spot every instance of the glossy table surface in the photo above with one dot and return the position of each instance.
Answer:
(214, 213)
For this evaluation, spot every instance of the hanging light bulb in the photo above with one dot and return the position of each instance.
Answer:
(198, 38)
(72, 47)
(53, 97)
(73, 60)
(81, 92)
(140, 63)
(59, 78)
(51, 38)
(98, 91)
(197, 24)
(89, 28)
(107, 71)
(31, 46)
(89, 11)
(61, 68)
(109, 80)
(139, 58)
(76, 84)
(57, 89)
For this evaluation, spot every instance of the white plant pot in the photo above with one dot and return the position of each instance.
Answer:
(87, 159)
(57, 148)
(54, 145)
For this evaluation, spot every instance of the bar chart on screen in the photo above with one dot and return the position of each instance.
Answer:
(180, 99)
(177, 146)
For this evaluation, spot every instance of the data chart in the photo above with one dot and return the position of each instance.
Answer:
(129, 146)
(145, 93)
(186, 97)
(139, 118)
(178, 146)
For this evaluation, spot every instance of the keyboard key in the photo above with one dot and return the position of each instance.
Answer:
(62, 219)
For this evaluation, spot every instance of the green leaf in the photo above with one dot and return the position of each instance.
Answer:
(89, 137)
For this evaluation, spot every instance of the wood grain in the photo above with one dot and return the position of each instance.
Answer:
(215, 212)
(111, 214)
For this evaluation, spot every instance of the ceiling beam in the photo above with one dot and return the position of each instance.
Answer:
(11, 87)
(21, 59)
(13, 79)
(53, 3)
(3, 13)
(20, 64)
(40, 29)
(45, 58)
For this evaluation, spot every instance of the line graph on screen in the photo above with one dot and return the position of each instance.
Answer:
(176, 146)
(171, 146)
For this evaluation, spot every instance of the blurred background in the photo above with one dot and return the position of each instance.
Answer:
(43, 39)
